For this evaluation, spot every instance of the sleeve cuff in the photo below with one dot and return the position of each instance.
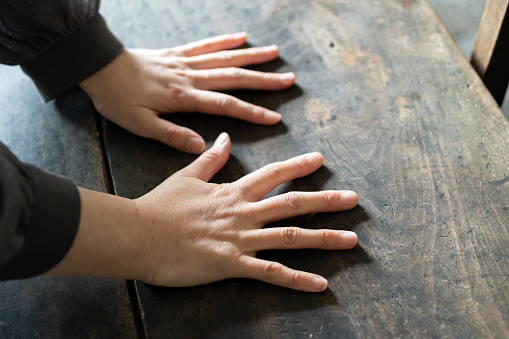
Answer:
(53, 226)
(72, 60)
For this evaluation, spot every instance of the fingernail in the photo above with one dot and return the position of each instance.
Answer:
(349, 239)
(221, 139)
(287, 77)
(195, 145)
(349, 198)
(239, 35)
(311, 156)
(320, 284)
(272, 116)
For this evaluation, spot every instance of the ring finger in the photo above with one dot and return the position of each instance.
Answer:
(297, 238)
(233, 78)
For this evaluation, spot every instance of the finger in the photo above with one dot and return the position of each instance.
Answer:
(235, 58)
(276, 274)
(223, 104)
(210, 162)
(181, 138)
(297, 238)
(292, 204)
(211, 45)
(233, 78)
(258, 183)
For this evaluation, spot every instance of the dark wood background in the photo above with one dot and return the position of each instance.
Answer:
(400, 117)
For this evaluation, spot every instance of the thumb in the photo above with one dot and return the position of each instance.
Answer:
(210, 162)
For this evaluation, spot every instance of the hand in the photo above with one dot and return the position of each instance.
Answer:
(188, 232)
(140, 84)
(204, 232)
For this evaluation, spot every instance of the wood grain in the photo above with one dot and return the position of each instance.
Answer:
(61, 138)
(400, 117)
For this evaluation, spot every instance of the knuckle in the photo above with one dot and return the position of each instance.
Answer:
(272, 170)
(167, 51)
(224, 190)
(257, 112)
(178, 92)
(182, 72)
(225, 55)
(228, 252)
(211, 156)
(271, 270)
(328, 199)
(223, 101)
(292, 200)
(268, 77)
(171, 136)
(325, 237)
(289, 236)
(207, 44)
(233, 72)
(295, 279)
(301, 163)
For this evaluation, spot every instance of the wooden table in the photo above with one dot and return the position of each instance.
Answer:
(399, 115)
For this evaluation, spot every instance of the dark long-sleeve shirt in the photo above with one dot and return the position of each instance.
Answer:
(58, 43)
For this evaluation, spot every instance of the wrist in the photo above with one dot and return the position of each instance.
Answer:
(96, 84)
(108, 243)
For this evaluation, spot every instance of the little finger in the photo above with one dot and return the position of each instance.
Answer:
(278, 274)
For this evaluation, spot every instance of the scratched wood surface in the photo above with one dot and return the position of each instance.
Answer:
(400, 117)
(60, 138)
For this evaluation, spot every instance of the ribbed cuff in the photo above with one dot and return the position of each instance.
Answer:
(72, 60)
(53, 226)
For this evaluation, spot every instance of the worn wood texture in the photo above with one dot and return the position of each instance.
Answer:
(400, 117)
(491, 48)
(61, 138)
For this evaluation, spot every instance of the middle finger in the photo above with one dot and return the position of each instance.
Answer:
(234, 78)
(292, 204)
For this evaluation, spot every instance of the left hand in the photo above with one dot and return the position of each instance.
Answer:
(140, 84)
(187, 231)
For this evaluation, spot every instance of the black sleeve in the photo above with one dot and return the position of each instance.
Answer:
(58, 43)
(39, 218)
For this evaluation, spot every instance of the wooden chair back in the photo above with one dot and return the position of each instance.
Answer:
(490, 56)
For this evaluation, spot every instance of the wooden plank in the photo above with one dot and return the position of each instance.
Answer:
(491, 48)
(62, 139)
(400, 117)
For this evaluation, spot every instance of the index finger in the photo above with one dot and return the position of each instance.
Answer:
(258, 183)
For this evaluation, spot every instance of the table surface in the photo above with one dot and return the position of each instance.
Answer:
(400, 116)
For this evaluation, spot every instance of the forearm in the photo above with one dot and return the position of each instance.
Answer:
(109, 242)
